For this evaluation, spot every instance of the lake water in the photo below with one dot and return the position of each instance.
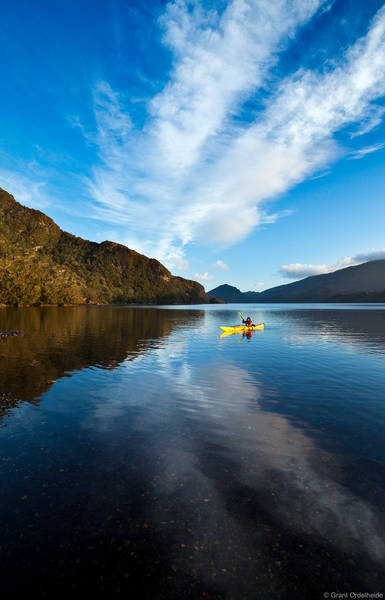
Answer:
(143, 455)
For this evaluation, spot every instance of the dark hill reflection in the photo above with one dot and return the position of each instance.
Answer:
(59, 340)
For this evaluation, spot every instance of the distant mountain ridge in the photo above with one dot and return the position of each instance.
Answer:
(361, 283)
(41, 264)
(229, 293)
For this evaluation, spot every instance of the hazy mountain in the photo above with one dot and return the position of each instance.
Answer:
(41, 264)
(362, 283)
(229, 293)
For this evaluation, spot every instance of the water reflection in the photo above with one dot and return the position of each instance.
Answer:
(350, 327)
(58, 341)
(176, 464)
(274, 492)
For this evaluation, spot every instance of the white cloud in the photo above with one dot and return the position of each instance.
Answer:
(177, 262)
(258, 286)
(204, 277)
(300, 271)
(367, 150)
(29, 189)
(373, 254)
(221, 265)
(193, 174)
(373, 118)
(219, 60)
(265, 218)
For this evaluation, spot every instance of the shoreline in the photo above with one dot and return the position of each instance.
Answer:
(149, 304)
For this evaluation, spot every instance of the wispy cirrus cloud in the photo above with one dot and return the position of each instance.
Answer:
(28, 188)
(300, 270)
(219, 61)
(367, 150)
(179, 178)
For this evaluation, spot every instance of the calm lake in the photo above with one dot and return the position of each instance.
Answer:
(143, 455)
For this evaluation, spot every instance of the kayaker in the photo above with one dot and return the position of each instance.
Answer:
(248, 322)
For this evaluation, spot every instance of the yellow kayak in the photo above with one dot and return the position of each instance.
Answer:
(242, 328)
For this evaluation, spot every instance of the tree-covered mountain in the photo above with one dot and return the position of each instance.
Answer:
(361, 283)
(227, 293)
(41, 264)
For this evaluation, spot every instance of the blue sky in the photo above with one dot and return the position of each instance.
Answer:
(238, 142)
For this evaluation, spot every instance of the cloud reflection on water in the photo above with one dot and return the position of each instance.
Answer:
(214, 447)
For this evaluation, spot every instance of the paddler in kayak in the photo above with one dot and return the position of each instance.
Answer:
(248, 322)
(247, 325)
